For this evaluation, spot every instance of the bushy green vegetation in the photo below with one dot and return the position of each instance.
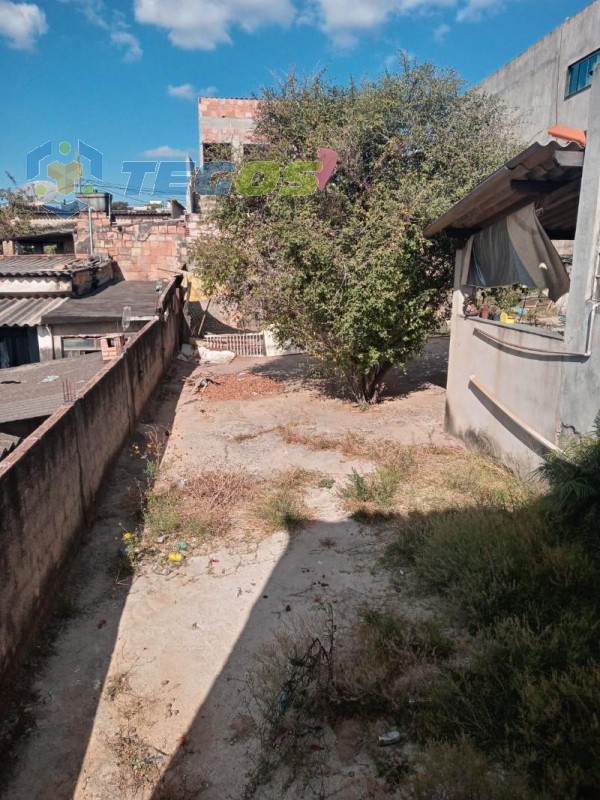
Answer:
(493, 679)
(525, 582)
(347, 272)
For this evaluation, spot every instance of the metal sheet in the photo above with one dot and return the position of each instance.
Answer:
(27, 311)
(495, 197)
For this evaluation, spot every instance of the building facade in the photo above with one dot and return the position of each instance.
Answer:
(549, 84)
(516, 386)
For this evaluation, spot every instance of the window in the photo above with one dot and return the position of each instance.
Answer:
(73, 346)
(580, 73)
(217, 151)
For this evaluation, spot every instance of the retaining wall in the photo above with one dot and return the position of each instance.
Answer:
(49, 484)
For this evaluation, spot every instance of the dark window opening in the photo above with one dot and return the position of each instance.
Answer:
(217, 151)
(580, 74)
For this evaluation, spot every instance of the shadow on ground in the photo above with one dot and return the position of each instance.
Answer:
(430, 368)
(85, 625)
(218, 758)
(315, 567)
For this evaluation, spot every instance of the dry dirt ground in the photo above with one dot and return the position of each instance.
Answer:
(145, 694)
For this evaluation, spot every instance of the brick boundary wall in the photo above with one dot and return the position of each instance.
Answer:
(49, 484)
(144, 248)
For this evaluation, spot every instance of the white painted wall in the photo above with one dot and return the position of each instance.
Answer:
(45, 343)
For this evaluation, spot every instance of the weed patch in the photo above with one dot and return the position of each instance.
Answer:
(279, 505)
(457, 771)
(195, 512)
(372, 494)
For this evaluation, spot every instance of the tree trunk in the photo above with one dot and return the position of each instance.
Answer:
(366, 387)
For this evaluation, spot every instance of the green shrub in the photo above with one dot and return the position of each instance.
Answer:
(560, 720)
(495, 564)
(387, 663)
(574, 477)
(457, 771)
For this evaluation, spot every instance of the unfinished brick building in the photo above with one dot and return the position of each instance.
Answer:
(226, 127)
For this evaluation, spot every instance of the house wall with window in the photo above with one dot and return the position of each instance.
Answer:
(549, 83)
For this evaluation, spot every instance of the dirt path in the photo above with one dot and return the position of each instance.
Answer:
(149, 678)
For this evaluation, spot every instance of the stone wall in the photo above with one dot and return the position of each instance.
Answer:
(49, 484)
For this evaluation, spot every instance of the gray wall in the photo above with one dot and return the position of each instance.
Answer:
(48, 485)
(535, 82)
(516, 379)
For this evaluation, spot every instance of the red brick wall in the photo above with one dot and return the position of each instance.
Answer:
(144, 248)
(234, 109)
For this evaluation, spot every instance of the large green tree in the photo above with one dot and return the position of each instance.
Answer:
(346, 272)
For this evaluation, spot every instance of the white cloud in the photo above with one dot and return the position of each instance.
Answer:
(21, 24)
(343, 22)
(440, 33)
(475, 10)
(112, 21)
(204, 24)
(184, 92)
(164, 151)
(187, 91)
(130, 44)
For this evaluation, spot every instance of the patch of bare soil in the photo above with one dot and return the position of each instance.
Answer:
(240, 387)
(164, 700)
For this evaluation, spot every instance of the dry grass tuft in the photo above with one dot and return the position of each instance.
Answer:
(199, 510)
(352, 444)
(409, 477)
(280, 505)
(117, 685)
(140, 764)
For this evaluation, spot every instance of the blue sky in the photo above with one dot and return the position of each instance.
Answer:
(123, 76)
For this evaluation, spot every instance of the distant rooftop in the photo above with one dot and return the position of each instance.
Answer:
(37, 390)
(15, 266)
(18, 311)
(107, 304)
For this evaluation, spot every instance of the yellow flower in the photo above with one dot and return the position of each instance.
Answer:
(127, 536)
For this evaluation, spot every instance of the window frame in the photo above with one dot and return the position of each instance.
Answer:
(577, 65)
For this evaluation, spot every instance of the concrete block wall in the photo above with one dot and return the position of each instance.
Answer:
(534, 83)
(49, 484)
(144, 248)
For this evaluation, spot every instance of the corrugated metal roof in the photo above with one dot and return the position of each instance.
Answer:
(496, 196)
(18, 311)
(45, 265)
(107, 303)
(37, 390)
